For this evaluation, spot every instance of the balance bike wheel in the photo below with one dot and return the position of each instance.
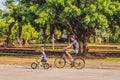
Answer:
(46, 66)
(34, 65)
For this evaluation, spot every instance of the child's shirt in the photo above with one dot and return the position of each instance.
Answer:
(44, 55)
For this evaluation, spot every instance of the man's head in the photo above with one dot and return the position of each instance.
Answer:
(72, 37)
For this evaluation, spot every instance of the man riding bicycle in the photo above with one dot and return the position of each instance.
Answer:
(75, 49)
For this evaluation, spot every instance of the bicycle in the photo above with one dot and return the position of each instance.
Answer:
(38, 63)
(78, 62)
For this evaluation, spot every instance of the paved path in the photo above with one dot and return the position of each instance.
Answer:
(12, 72)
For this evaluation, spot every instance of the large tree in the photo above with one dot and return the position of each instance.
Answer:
(81, 17)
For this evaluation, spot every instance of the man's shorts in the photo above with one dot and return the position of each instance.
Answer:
(72, 51)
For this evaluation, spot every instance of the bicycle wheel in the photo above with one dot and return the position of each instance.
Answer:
(34, 65)
(46, 66)
(79, 63)
(59, 62)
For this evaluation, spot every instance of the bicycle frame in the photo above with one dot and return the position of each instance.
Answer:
(65, 58)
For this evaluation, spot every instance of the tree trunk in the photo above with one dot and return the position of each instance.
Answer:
(19, 42)
(26, 42)
(9, 33)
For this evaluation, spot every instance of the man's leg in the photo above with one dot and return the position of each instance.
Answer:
(69, 56)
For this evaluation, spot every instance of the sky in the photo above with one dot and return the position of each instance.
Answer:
(1, 5)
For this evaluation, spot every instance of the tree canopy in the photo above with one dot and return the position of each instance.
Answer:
(79, 17)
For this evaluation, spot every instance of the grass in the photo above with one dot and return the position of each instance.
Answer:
(112, 63)
(112, 59)
(18, 60)
(108, 60)
(15, 60)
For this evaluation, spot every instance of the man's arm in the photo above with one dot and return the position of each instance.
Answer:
(70, 45)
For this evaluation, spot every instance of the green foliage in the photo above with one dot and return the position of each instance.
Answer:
(80, 17)
(29, 32)
(56, 2)
(14, 32)
(90, 9)
(70, 11)
(115, 35)
(45, 15)
(4, 25)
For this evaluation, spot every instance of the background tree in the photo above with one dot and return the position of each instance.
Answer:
(20, 16)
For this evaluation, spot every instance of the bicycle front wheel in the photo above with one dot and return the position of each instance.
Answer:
(59, 62)
(79, 63)
(46, 66)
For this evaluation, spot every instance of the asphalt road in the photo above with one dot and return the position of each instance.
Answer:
(13, 72)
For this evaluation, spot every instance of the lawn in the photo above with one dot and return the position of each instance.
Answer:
(112, 59)
(18, 60)
(27, 60)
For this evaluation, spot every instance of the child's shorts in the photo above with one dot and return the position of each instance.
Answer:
(43, 60)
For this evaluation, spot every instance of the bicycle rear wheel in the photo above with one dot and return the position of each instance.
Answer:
(59, 62)
(79, 63)
(46, 65)
(34, 65)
